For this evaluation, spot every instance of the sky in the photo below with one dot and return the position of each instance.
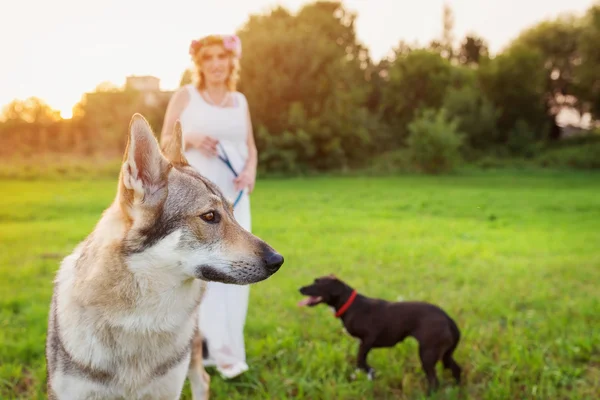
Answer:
(59, 49)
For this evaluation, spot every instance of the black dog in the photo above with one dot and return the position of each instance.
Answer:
(379, 323)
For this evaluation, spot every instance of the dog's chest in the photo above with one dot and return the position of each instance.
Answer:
(130, 383)
(146, 359)
(345, 331)
(350, 332)
(132, 355)
(356, 326)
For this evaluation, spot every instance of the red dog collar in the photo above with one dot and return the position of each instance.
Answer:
(346, 305)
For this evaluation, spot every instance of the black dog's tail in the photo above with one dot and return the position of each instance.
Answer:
(455, 338)
(455, 333)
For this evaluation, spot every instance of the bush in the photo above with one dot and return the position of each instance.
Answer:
(286, 153)
(521, 140)
(586, 156)
(434, 141)
(389, 162)
(477, 116)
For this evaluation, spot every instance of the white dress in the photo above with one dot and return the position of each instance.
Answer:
(223, 309)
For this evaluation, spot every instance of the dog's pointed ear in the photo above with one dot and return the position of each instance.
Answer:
(173, 148)
(144, 168)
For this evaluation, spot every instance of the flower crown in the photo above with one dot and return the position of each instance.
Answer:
(231, 43)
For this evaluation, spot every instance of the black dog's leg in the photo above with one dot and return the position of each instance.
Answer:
(451, 364)
(363, 351)
(429, 357)
(448, 360)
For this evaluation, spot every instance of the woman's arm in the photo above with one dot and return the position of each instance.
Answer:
(247, 177)
(176, 105)
(252, 161)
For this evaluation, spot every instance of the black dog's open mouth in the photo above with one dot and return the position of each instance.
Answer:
(310, 301)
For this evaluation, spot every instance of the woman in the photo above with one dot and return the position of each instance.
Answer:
(215, 122)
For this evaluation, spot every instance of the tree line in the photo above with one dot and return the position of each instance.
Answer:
(319, 102)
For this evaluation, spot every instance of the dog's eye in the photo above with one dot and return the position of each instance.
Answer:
(212, 217)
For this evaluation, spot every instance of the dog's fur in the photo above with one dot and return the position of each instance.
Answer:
(124, 314)
(379, 323)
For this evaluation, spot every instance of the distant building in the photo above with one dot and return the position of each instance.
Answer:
(145, 83)
(150, 88)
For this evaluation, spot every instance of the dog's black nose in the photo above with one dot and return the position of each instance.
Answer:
(273, 261)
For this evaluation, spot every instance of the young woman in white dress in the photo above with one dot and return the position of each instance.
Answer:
(215, 122)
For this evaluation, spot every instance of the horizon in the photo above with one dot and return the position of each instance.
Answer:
(161, 37)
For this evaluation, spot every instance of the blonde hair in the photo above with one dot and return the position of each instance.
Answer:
(197, 55)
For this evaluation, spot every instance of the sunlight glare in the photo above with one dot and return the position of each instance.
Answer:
(66, 113)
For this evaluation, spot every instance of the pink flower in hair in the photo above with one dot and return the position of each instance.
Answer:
(193, 47)
(233, 44)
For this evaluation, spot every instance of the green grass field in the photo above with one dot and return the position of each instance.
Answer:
(513, 257)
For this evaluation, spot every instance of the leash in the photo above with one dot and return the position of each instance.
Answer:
(227, 162)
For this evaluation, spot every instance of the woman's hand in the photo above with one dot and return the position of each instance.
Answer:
(245, 179)
(206, 144)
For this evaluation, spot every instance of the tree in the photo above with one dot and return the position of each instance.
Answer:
(417, 80)
(586, 74)
(32, 110)
(30, 126)
(445, 45)
(516, 85)
(107, 86)
(447, 33)
(476, 116)
(556, 41)
(379, 73)
(306, 84)
(186, 77)
(472, 50)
